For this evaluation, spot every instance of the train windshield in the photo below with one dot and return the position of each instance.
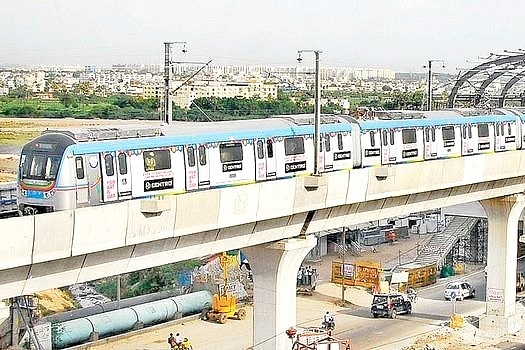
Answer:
(40, 166)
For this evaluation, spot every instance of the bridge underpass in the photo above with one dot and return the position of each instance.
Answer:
(90, 243)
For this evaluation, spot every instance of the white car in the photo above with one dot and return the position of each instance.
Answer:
(459, 291)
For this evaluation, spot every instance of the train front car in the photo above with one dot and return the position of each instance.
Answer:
(40, 171)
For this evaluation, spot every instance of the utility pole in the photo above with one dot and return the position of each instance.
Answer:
(429, 82)
(317, 109)
(168, 108)
(343, 238)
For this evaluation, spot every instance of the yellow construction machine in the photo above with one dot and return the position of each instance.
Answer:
(224, 305)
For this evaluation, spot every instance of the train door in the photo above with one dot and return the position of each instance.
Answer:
(81, 181)
(431, 146)
(388, 149)
(328, 153)
(271, 160)
(505, 139)
(191, 170)
(370, 142)
(93, 177)
(468, 143)
(123, 176)
(109, 177)
(203, 166)
(260, 160)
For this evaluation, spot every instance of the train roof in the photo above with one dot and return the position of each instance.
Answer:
(99, 133)
(182, 133)
(440, 118)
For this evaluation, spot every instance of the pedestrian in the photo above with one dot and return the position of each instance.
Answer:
(171, 341)
(178, 339)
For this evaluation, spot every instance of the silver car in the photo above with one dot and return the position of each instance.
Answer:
(459, 291)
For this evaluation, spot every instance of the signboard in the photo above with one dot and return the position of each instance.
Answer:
(495, 301)
(348, 271)
(399, 277)
(495, 295)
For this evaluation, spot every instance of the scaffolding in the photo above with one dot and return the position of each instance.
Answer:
(472, 247)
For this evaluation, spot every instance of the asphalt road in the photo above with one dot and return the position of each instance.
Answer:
(355, 322)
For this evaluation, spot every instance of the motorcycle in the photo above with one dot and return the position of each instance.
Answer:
(329, 325)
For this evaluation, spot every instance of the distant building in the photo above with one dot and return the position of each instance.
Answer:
(184, 96)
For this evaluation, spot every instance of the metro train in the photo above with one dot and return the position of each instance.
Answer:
(74, 168)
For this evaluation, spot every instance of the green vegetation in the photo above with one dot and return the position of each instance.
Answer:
(151, 280)
(18, 104)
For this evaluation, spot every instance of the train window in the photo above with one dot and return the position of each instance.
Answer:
(502, 130)
(483, 130)
(497, 130)
(408, 136)
(469, 129)
(122, 164)
(52, 167)
(385, 138)
(230, 152)
(108, 160)
(327, 143)
(340, 142)
(372, 138)
(433, 134)
(293, 146)
(392, 137)
(79, 165)
(260, 149)
(510, 129)
(464, 132)
(202, 155)
(191, 156)
(156, 160)
(427, 135)
(269, 148)
(447, 133)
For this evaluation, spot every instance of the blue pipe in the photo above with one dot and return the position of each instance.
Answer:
(73, 332)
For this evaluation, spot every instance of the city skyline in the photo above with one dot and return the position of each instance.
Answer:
(400, 35)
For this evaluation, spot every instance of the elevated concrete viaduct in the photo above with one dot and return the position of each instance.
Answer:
(277, 220)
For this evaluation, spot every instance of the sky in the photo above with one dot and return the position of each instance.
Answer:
(401, 35)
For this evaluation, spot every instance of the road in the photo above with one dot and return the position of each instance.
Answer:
(354, 322)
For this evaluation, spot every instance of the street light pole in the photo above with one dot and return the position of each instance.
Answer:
(317, 109)
(429, 83)
(168, 109)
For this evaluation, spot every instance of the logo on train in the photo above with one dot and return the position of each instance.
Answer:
(231, 167)
(342, 155)
(409, 153)
(293, 167)
(372, 152)
(158, 184)
(483, 145)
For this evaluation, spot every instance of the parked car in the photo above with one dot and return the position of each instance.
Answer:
(390, 305)
(459, 291)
